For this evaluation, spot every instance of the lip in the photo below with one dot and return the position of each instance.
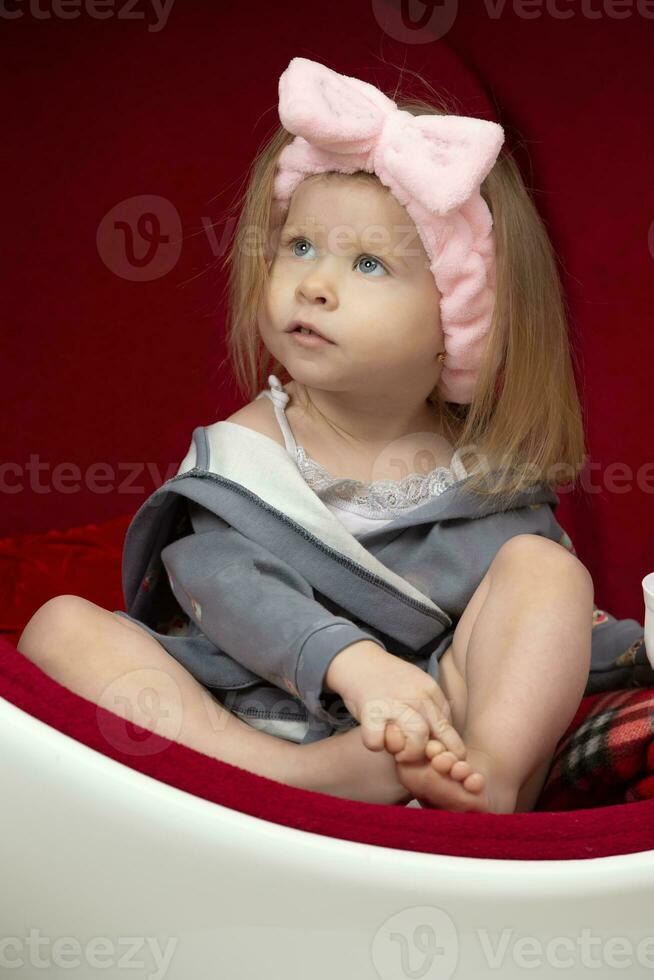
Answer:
(309, 326)
(306, 341)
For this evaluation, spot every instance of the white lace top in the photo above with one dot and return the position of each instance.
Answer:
(362, 505)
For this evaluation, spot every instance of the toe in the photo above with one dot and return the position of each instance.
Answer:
(433, 747)
(443, 762)
(450, 738)
(460, 770)
(474, 783)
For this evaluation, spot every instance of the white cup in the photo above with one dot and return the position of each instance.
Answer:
(648, 593)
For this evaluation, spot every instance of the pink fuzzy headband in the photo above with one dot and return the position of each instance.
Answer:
(432, 164)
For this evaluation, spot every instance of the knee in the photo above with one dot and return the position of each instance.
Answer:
(52, 622)
(535, 555)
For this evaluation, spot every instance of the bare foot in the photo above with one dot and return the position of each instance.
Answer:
(460, 770)
(442, 781)
(459, 788)
(491, 790)
(446, 759)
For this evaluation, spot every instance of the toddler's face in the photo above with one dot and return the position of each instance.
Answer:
(350, 261)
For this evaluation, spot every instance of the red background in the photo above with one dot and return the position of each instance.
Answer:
(99, 368)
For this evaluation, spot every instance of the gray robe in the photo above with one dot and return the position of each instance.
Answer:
(239, 570)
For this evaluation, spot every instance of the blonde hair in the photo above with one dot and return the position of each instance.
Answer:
(524, 423)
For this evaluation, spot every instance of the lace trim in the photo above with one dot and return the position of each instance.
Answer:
(382, 497)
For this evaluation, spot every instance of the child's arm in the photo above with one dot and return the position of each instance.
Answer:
(345, 664)
(258, 609)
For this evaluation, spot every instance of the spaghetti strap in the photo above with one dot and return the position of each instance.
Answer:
(279, 398)
(380, 500)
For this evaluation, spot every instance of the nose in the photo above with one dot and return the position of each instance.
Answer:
(315, 287)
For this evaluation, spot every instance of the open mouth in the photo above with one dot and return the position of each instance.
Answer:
(308, 335)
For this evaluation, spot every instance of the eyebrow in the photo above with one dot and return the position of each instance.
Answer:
(292, 230)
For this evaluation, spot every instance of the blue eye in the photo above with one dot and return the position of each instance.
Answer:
(294, 243)
(371, 258)
(367, 258)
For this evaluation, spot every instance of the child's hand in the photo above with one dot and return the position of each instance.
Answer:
(384, 689)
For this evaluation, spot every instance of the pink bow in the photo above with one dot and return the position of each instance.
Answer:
(437, 161)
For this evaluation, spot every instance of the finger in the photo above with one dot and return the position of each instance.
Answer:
(416, 731)
(374, 717)
(448, 735)
(439, 714)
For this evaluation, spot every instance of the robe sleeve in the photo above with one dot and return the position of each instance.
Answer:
(257, 608)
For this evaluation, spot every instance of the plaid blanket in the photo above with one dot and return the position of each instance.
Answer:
(606, 756)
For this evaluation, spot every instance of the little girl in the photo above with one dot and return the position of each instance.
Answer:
(377, 638)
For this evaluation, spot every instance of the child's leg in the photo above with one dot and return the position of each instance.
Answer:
(524, 655)
(113, 662)
(529, 649)
(455, 689)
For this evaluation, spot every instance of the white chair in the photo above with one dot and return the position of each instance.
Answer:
(106, 867)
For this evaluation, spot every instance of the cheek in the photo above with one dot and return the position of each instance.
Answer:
(281, 284)
(415, 339)
(264, 310)
(269, 313)
(275, 292)
(426, 323)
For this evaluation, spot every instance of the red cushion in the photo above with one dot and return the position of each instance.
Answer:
(79, 561)
(85, 561)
